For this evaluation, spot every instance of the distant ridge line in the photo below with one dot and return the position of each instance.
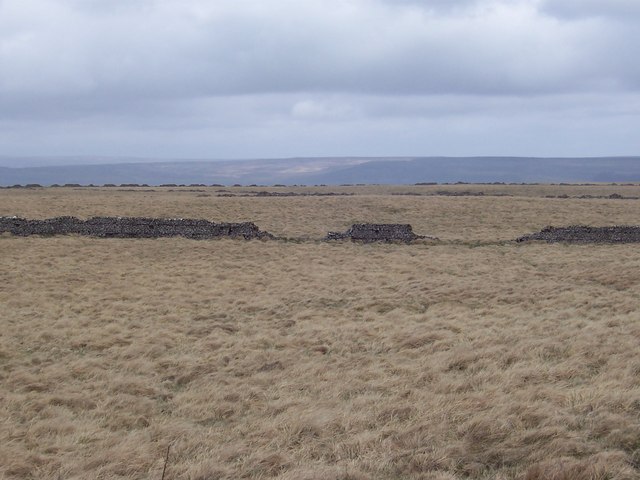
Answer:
(328, 170)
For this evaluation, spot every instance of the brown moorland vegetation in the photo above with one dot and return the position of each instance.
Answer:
(472, 358)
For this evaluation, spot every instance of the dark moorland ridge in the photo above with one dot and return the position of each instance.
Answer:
(328, 171)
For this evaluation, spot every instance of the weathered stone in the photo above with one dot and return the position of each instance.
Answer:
(586, 234)
(130, 227)
(377, 232)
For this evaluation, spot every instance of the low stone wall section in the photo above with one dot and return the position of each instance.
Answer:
(586, 234)
(143, 227)
(131, 227)
(377, 232)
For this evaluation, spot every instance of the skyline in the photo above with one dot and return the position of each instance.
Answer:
(334, 171)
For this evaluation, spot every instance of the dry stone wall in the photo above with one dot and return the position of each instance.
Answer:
(377, 232)
(586, 234)
(143, 227)
(130, 227)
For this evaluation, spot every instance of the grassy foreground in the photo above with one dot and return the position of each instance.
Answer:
(307, 360)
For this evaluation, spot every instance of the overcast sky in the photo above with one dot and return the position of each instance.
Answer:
(280, 78)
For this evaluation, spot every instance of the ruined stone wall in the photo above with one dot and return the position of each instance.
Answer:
(585, 234)
(376, 232)
(143, 227)
(130, 227)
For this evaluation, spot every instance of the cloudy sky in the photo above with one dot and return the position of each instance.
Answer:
(280, 78)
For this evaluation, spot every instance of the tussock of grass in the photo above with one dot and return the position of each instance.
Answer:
(319, 361)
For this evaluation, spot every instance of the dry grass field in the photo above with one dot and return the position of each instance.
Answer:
(472, 358)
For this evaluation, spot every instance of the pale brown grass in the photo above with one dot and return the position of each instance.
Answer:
(294, 360)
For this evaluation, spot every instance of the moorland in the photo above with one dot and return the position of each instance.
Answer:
(471, 357)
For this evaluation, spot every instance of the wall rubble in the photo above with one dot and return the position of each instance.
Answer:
(377, 232)
(586, 234)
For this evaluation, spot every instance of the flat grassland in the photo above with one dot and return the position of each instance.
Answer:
(475, 357)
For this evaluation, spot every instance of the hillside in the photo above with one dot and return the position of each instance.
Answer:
(332, 171)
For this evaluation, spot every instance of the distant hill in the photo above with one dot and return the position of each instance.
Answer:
(331, 171)
(487, 169)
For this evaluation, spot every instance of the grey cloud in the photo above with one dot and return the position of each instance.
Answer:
(581, 9)
(191, 49)
(438, 5)
(314, 124)
(284, 77)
